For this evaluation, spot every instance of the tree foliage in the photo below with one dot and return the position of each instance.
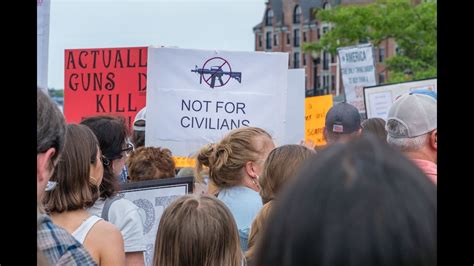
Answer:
(414, 28)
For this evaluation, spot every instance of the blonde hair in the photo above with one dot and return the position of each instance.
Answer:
(147, 163)
(281, 166)
(197, 230)
(256, 229)
(227, 158)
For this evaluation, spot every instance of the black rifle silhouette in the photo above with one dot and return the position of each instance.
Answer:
(217, 72)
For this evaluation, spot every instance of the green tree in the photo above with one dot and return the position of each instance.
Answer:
(414, 28)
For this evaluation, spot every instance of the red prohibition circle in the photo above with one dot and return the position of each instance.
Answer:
(207, 80)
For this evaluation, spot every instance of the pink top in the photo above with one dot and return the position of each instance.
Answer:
(429, 168)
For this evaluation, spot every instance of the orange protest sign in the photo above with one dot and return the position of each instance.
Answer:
(184, 161)
(315, 114)
(104, 81)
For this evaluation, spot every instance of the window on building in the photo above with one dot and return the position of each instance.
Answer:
(269, 40)
(381, 78)
(288, 38)
(326, 6)
(381, 54)
(333, 83)
(260, 40)
(296, 41)
(325, 82)
(333, 59)
(304, 36)
(319, 33)
(275, 40)
(325, 60)
(296, 60)
(325, 29)
(269, 18)
(297, 15)
(304, 60)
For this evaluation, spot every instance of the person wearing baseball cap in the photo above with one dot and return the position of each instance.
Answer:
(342, 123)
(138, 137)
(412, 129)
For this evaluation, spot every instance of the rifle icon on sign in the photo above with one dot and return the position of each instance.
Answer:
(216, 72)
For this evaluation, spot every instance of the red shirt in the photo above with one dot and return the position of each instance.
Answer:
(429, 168)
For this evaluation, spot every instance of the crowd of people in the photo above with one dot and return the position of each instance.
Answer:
(369, 197)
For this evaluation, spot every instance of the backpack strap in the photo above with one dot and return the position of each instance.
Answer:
(107, 204)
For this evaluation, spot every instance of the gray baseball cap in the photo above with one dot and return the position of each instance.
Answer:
(343, 118)
(417, 112)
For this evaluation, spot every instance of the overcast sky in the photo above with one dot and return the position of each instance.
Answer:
(198, 24)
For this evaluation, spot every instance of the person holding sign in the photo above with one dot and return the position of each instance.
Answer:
(78, 175)
(235, 164)
(112, 134)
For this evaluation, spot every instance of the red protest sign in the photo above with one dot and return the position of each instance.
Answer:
(104, 81)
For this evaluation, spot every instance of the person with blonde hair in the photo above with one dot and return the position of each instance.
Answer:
(78, 175)
(281, 166)
(148, 163)
(197, 230)
(235, 164)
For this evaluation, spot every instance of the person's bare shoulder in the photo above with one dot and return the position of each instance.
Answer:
(108, 240)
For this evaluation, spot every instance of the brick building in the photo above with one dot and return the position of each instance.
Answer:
(287, 24)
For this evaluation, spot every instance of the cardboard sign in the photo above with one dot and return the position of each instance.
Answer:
(195, 97)
(316, 109)
(104, 81)
(378, 99)
(358, 71)
(152, 197)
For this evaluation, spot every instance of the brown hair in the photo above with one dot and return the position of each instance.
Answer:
(256, 229)
(280, 166)
(227, 158)
(111, 132)
(375, 125)
(197, 230)
(74, 190)
(146, 163)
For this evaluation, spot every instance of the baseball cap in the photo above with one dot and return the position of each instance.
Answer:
(141, 116)
(343, 118)
(417, 112)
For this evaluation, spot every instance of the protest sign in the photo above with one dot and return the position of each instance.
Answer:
(294, 121)
(104, 81)
(358, 71)
(152, 197)
(316, 109)
(42, 42)
(378, 99)
(195, 97)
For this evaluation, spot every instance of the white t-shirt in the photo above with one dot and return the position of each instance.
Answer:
(125, 215)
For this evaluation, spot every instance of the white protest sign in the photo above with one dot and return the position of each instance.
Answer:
(358, 71)
(152, 197)
(194, 97)
(42, 42)
(378, 99)
(294, 124)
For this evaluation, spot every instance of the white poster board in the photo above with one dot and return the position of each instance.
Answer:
(294, 124)
(152, 197)
(358, 71)
(194, 97)
(42, 42)
(378, 99)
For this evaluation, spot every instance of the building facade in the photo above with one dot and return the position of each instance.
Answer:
(287, 24)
